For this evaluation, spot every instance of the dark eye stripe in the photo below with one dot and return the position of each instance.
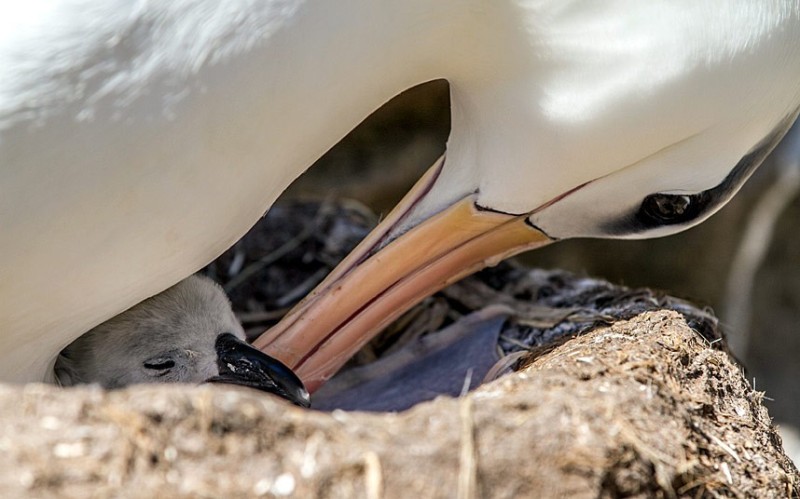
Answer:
(662, 209)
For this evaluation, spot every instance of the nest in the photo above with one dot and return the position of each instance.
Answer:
(614, 393)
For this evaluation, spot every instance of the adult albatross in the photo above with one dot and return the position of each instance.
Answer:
(138, 140)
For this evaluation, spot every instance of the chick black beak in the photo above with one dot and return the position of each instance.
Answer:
(241, 364)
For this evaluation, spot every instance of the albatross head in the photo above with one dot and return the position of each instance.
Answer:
(186, 334)
(408, 257)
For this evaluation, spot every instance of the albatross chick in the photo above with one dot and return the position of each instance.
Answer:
(186, 334)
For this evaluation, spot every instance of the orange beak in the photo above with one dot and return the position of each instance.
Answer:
(378, 282)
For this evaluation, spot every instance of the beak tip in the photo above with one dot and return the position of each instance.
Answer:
(303, 400)
(241, 364)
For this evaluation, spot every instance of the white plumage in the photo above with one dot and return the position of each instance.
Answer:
(138, 140)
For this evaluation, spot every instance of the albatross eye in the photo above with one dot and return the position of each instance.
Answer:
(666, 209)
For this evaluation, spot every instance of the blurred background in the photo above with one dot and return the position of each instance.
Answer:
(734, 263)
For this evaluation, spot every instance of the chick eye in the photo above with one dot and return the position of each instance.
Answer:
(159, 364)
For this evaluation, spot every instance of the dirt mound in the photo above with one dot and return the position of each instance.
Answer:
(643, 408)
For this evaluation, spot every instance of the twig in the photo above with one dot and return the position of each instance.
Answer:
(468, 469)
(727, 448)
(373, 475)
(324, 210)
(266, 315)
(270, 258)
(303, 288)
